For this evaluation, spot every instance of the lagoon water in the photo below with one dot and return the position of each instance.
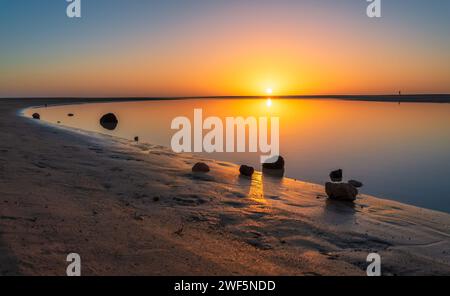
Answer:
(399, 151)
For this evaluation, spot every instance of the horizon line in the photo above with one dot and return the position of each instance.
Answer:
(234, 96)
(432, 98)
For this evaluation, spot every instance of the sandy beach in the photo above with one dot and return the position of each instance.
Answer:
(137, 209)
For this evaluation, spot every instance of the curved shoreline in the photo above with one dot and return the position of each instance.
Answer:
(137, 209)
(406, 194)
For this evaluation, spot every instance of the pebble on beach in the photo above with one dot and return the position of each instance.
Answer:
(341, 191)
(274, 168)
(200, 167)
(336, 176)
(109, 121)
(274, 165)
(246, 170)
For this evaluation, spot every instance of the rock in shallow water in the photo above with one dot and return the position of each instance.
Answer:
(109, 121)
(336, 176)
(341, 191)
(200, 167)
(275, 163)
(274, 167)
(36, 116)
(246, 170)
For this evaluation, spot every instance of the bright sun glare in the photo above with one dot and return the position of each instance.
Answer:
(269, 91)
(269, 102)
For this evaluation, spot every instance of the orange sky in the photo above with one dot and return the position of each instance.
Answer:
(235, 49)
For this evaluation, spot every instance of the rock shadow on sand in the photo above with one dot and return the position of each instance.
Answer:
(338, 212)
(9, 265)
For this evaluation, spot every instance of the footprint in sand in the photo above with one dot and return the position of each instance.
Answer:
(189, 200)
(235, 204)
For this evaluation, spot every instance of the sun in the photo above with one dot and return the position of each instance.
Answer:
(269, 102)
(269, 91)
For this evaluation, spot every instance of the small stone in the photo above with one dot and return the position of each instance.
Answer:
(274, 163)
(336, 176)
(109, 121)
(136, 139)
(246, 170)
(200, 167)
(274, 167)
(36, 116)
(341, 191)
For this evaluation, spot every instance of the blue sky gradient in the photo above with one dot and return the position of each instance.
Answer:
(37, 35)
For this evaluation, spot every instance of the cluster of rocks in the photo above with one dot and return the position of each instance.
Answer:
(275, 168)
(338, 190)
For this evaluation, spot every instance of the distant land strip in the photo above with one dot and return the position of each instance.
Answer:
(406, 98)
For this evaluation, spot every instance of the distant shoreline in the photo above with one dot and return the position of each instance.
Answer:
(407, 98)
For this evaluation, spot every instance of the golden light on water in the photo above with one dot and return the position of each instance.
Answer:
(269, 102)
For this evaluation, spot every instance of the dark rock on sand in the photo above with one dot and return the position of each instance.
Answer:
(36, 116)
(274, 167)
(336, 176)
(136, 139)
(109, 121)
(355, 183)
(246, 170)
(341, 191)
(274, 163)
(200, 167)
(70, 115)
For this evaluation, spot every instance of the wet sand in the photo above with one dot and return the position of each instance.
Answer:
(136, 209)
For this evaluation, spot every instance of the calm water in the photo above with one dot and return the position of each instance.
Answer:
(400, 152)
